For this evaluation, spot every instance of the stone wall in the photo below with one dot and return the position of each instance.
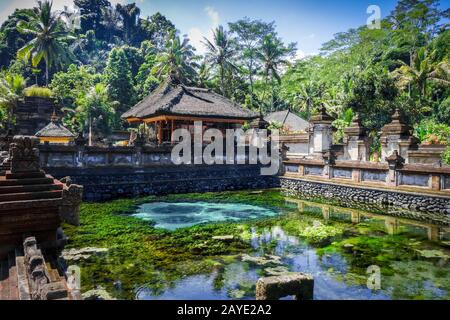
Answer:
(33, 114)
(401, 204)
(102, 184)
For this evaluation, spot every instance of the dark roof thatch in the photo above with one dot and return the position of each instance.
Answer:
(54, 129)
(288, 119)
(177, 99)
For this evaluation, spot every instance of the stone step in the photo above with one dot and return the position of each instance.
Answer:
(30, 188)
(13, 283)
(53, 194)
(25, 175)
(17, 182)
(4, 280)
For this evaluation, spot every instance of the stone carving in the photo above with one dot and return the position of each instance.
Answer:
(299, 285)
(24, 154)
(72, 195)
(41, 287)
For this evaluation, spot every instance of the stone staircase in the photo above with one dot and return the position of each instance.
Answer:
(15, 283)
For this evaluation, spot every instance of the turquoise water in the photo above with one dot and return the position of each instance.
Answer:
(171, 216)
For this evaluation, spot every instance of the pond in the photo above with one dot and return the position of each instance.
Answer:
(217, 245)
(176, 215)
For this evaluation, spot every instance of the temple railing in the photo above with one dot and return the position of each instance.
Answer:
(420, 177)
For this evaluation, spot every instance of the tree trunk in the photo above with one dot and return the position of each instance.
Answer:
(46, 73)
(90, 131)
(222, 84)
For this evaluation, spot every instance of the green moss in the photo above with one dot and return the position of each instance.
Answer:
(141, 255)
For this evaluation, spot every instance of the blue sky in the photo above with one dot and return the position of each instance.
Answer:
(309, 23)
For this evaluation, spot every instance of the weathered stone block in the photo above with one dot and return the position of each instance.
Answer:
(299, 285)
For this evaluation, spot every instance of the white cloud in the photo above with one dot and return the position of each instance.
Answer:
(213, 15)
(196, 35)
(23, 4)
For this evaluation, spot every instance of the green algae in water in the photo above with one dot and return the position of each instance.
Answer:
(153, 263)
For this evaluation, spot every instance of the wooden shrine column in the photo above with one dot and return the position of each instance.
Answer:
(160, 132)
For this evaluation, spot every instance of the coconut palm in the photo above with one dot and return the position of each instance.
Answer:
(221, 53)
(49, 33)
(422, 71)
(11, 88)
(177, 60)
(112, 21)
(96, 111)
(308, 96)
(130, 16)
(273, 55)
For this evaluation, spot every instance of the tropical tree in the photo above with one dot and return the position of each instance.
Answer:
(422, 71)
(130, 16)
(95, 111)
(221, 53)
(119, 80)
(11, 88)
(308, 96)
(112, 21)
(249, 35)
(203, 74)
(177, 60)
(49, 34)
(274, 54)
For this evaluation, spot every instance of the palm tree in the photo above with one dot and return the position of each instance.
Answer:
(422, 70)
(11, 88)
(96, 111)
(130, 17)
(177, 60)
(273, 55)
(203, 75)
(221, 53)
(49, 33)
(112, 21)
(308, 96)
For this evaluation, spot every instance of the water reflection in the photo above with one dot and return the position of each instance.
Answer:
(420, 271)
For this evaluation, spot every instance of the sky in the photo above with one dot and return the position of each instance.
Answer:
(309, 23)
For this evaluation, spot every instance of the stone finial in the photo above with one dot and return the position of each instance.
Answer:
(395, 160)
(329, 157)
(356, 128)
(322, 116)
(24, 154)
(259, 123)
(80, 140)
(397, 125)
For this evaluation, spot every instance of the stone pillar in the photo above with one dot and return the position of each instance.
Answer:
(356, 141)
(435, 182)
(301, 170)
(321, 133)
(395, 162)
(80, 142)
(72, 196)
(356, 175)
(329, 159)
(397, 135)
(24, 155)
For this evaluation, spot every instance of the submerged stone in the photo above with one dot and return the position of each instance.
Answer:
(262, 261)
(82, 254)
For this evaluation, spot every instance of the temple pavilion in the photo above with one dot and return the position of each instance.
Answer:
(173, 105)
(55, 132)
